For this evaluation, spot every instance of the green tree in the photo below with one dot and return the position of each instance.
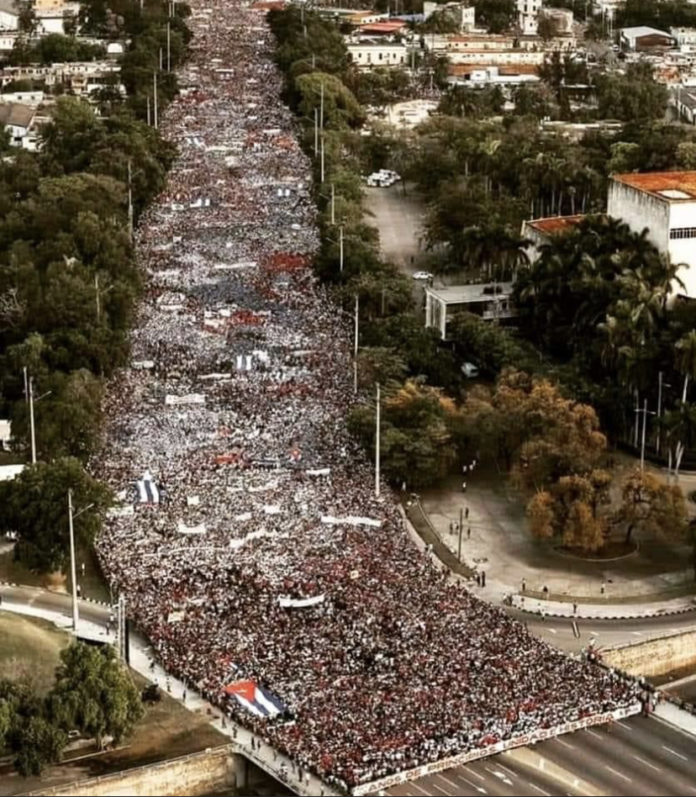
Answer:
(416, 444)
(496, 15)
(35, 505)
(94, 693)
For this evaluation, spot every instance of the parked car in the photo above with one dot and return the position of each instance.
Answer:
(422, 275)
(470, 370)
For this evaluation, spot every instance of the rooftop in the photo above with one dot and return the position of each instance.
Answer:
(670, 186)
(553, 225)
(468, 294)
(383, 27)
(643, 30)
(13, 113)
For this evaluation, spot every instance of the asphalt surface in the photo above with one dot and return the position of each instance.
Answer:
(637, 756)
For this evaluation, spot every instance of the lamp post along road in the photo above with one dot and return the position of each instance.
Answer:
(29, 388)
(73, 565)
(377, 441)
(73, 569)
(355, 343)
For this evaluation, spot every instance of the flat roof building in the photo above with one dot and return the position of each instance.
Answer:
(490, 301)
(665, 204)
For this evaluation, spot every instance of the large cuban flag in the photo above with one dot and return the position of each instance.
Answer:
(148, 492)
(255, 699)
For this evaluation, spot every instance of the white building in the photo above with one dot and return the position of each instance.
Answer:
(665, 204)
(462, 13)
(9, 16)
(17, 120)
(528, 16)
(368, 54)
(684, 37)
(490, 301)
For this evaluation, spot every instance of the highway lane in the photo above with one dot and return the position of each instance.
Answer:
(559, 631)
(638, 756)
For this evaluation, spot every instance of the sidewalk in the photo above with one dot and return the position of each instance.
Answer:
(263, 755)
(649, 582)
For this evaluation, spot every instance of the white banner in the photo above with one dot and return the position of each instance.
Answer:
(377, 786)
(191, 398)
(319, 472)
(300, 603)
(351, 520)
(182, 528)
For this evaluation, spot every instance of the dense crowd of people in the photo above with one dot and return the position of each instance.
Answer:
(234, 406)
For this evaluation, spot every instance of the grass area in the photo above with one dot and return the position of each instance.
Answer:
(91, 582)
(30, 648)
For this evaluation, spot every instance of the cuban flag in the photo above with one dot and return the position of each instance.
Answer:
(255, 699)
(148, 492)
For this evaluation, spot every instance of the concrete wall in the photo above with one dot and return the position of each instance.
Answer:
(198, 773)
(655, 656)
(639, 210)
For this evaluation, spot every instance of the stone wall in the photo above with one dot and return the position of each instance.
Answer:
(198, 773)
(655, 656)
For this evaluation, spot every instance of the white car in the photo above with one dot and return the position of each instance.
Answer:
(422, 275)
(470, 371)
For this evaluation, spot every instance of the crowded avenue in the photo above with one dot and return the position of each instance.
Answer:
(248, 540)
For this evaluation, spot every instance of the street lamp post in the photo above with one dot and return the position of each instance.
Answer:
(355, 343)
(377, 441)
(73, 569)
(29, 387)
(645, 414)
(73, 566)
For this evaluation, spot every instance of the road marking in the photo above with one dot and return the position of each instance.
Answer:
(565, 744)
(593, 733)
(539, 789)
(476, 774)
(473, 785)
(647, 763)
(509, 771)
(674, 752)
(413, 785)
(637, 633)
(449, 783)
(623, 725)
(500, 775)
(618, 774)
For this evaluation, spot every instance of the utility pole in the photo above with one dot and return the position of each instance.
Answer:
(321, 107)
(316, 131)
(154, 82)
(96, 296)
(340, 247)
(659, 411)
(26, 385)
(130, 200)
(355, 343)
(122, 629)
(645, 413)
(377, 441)
(461, 526)
(333, 204)
(322, 158)
(32, 428)
(169, 47)
(73, 569)
(148, 109)
(160, 59)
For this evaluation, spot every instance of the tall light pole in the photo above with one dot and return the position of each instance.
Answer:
(29, 388)
(333, 204)
(154, 83)
(73, 566)
(355, 343)
(73, 569)
(377, 441)
(32, 429)
(322, 158)
(340, 247)
(316, 131)
(645, 413)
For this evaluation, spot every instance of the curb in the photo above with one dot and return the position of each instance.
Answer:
(629, 616)
(93, 601)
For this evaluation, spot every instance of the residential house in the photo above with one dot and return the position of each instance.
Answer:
(540, 232)
(528, 16)
(17, 120)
